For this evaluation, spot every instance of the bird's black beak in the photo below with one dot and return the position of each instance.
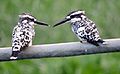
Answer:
(61, 22)
(41, 23)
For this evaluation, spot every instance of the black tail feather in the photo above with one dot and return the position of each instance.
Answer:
(96, 43)
(100, 41)
(15, 53)
(93, 42)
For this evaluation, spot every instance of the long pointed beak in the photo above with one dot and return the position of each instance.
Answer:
(41, 23)
(61, 22)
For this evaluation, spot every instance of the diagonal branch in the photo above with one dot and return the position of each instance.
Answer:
(62, 50)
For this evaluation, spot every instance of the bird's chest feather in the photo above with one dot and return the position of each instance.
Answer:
(85, 29)
(22, 35)
(26, 30)
(79, 28)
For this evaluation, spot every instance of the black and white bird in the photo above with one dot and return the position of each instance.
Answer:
(23, 33)
(83, 27)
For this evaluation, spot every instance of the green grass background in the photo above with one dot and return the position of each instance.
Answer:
(105, 13)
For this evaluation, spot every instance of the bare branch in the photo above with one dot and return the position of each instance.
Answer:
(62, 50)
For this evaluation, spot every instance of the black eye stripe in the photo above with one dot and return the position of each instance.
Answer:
(73, 16)
(76, 15)
(31, 19)
(26, 18)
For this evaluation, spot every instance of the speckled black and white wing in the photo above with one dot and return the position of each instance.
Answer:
(86, 31)
(21, 38)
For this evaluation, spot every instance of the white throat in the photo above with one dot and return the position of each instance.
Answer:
(75, 20)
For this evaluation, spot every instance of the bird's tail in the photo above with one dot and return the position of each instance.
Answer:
(101, 41)
(96, 43)
(15, 52)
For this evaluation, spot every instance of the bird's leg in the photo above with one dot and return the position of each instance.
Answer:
(81, 41)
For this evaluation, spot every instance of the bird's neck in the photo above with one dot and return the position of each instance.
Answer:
(79, 23)
(26, 25)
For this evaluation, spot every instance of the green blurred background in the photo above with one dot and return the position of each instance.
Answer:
(105, 13)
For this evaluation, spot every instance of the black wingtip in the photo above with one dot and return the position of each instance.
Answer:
(101, 41)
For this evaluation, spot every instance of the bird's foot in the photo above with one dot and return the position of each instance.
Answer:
(83, 41)
(105, 43)
(13, 58)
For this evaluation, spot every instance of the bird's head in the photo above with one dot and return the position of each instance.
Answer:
(72, 17)
(28, 18)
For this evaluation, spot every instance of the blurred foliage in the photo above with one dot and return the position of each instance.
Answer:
(105, 13)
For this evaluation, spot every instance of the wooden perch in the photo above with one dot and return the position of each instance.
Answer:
(62, 50)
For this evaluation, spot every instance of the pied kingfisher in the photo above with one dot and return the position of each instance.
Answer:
(23, 33)
(83, 27)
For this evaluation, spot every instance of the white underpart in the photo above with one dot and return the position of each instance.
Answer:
(95, 30)
(78, 12)
(80, 30)
(74, 20)
(18, 28)
(30, 44)
(76, 34)
(79, 34)
(17, 49)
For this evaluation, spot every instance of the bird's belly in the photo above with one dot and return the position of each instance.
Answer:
(23, 37)
(79, 32)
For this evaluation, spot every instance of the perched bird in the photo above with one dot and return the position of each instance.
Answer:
(23, 33)
(83, 27)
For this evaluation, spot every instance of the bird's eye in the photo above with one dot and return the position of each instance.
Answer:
(75, 16)
(72, 16)
(31, 19)
(27, 18)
